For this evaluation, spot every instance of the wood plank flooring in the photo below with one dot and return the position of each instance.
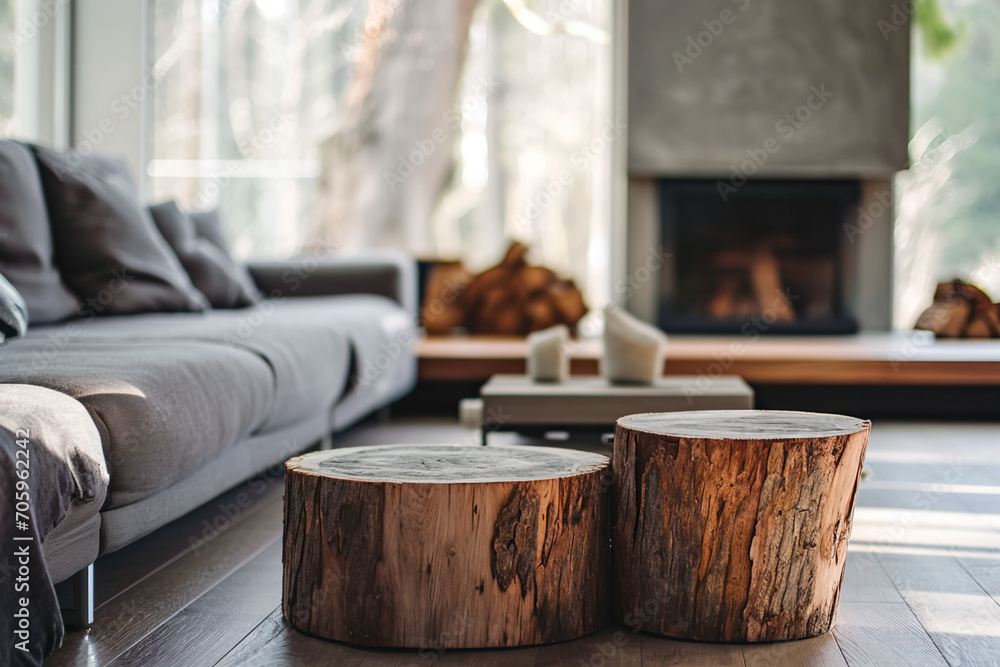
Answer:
(922, 585)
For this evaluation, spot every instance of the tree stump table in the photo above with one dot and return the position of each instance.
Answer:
(447, 546)
(732, 526)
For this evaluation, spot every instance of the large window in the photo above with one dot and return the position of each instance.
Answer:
(245, 93)
(249, 91)
(948, 203)
(535, 156)
(34, 64)
(8, 52)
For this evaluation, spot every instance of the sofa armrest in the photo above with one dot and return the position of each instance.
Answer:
(384, 272)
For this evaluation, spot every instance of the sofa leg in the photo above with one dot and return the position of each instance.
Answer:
(82, 613)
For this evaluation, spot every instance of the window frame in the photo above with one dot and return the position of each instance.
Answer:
(42, 71)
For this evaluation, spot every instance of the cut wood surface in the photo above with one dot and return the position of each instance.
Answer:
(450, 546)
(733, 525)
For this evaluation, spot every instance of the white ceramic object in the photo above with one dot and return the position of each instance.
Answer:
(547, 358)
(633, 350)
(470, 413)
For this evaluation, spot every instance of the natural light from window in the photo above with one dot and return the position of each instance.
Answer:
(248, 91)
(948, 203)
(8, 52)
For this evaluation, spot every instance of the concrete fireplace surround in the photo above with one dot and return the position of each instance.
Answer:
(751, 89)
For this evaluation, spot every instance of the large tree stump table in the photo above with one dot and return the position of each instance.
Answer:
(448, 546)
(732, 526)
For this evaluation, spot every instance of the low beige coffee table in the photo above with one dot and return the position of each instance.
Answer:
(588, 402)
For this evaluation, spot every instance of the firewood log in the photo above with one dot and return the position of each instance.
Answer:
(443, 310)
(539, 312)
(567, 301)
(528, 280)
(512, 298)
(960, 310)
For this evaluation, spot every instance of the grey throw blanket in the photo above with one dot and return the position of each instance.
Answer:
(47, 460)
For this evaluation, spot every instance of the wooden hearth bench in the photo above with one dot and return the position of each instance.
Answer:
(450, 546)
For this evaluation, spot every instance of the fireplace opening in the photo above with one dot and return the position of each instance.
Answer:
(767, 258)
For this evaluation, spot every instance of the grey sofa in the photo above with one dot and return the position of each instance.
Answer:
(146, 371)
(189, 404)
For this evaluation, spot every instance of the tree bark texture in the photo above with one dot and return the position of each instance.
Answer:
(732, 526)
(444, 547)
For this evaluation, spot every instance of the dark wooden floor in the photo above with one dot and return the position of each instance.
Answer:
(922, 586)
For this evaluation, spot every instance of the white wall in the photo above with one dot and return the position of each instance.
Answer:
(41, 71)
(112, 85)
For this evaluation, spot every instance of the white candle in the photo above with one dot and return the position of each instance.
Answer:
(633, 350)
(547, 358)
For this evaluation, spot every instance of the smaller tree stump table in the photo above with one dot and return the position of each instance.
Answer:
(732, 526)
(447, 546)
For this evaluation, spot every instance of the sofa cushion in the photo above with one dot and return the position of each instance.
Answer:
(347, 355)
(381, 335)
(214, 273)
(26, 240)
(13, 312)
(208, 226)
(308, 357)
(106, 245)
(163, 407)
